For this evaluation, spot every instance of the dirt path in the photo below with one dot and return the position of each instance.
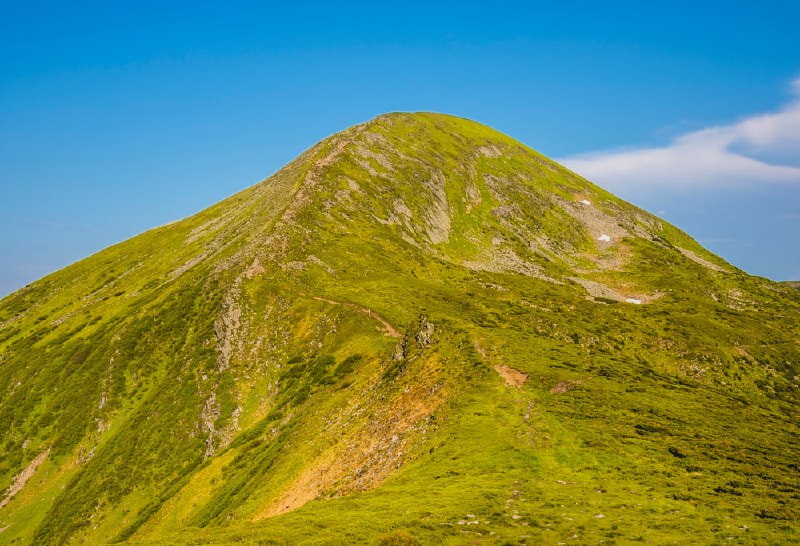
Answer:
(386, 328)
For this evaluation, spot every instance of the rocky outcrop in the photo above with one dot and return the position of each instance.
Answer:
(418, 336)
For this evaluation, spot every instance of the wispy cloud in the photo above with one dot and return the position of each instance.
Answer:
(762, 148)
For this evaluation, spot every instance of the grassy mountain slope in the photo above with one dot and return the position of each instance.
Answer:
(419, 330)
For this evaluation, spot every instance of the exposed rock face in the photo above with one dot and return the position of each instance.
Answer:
(208, 419)
(425, 334)
(417, 337)
(22, 478)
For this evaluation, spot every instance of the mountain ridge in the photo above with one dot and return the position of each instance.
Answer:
(416, 304)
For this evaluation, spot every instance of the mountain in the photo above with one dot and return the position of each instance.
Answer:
(419, 331)
(793, 284)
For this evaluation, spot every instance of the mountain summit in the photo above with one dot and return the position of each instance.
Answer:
(418, 331)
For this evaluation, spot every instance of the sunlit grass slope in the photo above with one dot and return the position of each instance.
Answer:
(419, 331)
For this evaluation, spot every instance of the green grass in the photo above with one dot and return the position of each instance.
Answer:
(192, 383)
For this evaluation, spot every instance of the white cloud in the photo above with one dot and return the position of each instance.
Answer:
(762, 148)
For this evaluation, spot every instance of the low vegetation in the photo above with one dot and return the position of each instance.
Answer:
(414, 333)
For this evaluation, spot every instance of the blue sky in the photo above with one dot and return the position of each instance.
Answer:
(116, 117)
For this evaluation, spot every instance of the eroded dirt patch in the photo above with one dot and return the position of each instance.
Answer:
(512, 376)
(565, 386)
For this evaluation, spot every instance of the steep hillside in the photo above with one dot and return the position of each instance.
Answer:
(419, 330)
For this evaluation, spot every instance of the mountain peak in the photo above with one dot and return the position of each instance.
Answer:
(471, 196)
(418, 328)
